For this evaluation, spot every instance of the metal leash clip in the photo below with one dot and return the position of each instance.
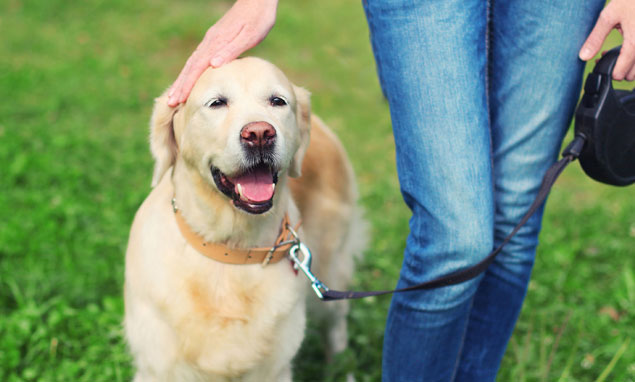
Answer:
(304, 264)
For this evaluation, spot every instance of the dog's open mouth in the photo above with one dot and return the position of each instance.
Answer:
(252, 190)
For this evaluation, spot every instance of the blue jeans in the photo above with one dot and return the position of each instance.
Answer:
(481, 94)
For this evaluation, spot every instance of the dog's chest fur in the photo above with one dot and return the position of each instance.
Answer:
(229, 330)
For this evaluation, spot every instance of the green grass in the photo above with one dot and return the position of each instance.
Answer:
(77, 81)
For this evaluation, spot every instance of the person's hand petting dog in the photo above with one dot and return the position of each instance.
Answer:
(244, 26)
(618, 14)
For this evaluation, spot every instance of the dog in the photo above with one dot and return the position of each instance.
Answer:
(238, 163)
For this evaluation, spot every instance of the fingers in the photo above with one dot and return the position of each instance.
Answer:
(619, 14)
(220, 52)
(631, 75)
(196, 65)
(174, 93)
(625, 65)
(625, 62)
(594, 42)
(243, 42)
(229, 53)
(193, 72)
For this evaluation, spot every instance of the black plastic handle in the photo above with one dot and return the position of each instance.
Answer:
(607, 62)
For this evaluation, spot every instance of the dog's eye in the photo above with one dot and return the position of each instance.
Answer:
(216, 103)
(277, 101)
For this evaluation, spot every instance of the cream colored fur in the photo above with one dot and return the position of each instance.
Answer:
(190, 318)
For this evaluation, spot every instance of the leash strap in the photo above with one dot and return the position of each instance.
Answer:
(570, 153)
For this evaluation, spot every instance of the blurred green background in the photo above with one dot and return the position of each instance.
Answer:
(77, 81)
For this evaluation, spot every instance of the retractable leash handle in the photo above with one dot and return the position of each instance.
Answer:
(606, 119)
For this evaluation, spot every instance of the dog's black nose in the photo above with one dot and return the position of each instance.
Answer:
(258, 135)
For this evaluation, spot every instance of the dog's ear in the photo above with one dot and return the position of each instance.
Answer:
(303, 115)
(162, 138)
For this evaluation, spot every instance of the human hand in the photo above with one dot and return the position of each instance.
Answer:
(244, 26)
(618, 14)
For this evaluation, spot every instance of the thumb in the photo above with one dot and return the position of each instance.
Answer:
(595, 40)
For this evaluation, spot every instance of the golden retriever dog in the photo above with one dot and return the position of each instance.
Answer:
(233, 165)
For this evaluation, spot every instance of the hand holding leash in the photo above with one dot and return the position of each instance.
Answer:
(619, 14)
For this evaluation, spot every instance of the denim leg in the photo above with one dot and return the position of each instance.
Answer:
(534, 78)
(431, 59)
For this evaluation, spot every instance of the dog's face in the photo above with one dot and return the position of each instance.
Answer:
(243, 127)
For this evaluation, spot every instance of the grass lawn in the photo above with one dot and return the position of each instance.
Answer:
(77, 81)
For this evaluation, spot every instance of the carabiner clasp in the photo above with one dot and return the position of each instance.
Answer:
(304, 264)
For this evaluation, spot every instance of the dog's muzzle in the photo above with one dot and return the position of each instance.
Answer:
(253, 188)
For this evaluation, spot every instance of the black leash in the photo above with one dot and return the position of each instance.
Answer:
(570, 154)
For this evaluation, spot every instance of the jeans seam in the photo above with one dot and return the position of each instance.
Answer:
(488, 70)
(460, 352)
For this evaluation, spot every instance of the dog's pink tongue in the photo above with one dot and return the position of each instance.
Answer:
(257, 186)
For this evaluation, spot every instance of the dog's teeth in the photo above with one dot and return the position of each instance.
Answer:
(273, 187)
(240, 190)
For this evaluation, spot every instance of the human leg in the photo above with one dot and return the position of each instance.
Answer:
(431, 61)
(534, 77)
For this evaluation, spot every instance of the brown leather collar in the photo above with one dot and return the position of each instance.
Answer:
(224, 254)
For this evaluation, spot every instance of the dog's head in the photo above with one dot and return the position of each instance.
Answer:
(242, 128)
